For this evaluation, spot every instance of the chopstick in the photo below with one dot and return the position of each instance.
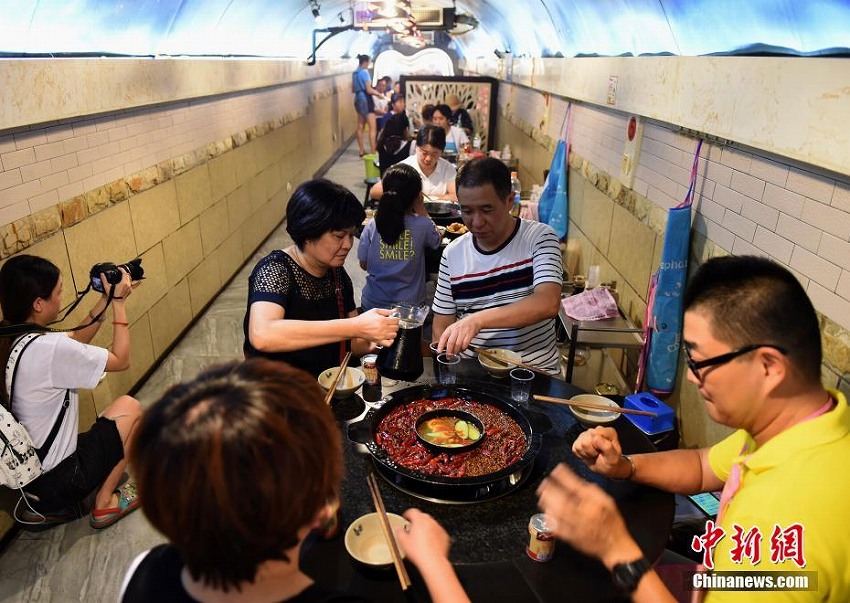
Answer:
(342, 371)
(372, 481)
(588, 406)
(496, 358)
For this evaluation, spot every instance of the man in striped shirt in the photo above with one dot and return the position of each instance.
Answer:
(499, 285)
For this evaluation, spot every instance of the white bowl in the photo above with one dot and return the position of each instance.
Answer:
(595, 417)
(349, 382)
(365, 541)
(497, 369)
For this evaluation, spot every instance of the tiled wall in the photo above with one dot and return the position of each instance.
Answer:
(748, 202)
(192, 188)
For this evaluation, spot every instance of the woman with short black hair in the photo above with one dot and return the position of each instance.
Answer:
(300, 299)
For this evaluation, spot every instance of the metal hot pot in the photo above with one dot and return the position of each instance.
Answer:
(439, 488)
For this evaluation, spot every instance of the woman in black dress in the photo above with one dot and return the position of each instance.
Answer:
(300, 299)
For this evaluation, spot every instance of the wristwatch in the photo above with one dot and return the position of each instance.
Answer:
(626, 576)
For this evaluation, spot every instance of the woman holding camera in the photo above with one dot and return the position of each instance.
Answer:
(46, 376)
(301, 306)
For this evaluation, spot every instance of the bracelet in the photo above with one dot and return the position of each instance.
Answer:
(127, 324)
(631, 472)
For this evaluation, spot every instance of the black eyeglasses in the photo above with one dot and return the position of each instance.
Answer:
(724, 358)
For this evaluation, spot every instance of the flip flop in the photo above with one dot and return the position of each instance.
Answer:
(128, 501)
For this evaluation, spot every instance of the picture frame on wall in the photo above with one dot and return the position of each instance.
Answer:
(477, 94)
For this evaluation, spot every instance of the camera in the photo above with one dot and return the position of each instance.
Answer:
(112, 273)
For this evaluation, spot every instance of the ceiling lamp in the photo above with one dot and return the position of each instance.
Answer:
(315, 9)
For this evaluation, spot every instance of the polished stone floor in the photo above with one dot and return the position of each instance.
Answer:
(73, 562)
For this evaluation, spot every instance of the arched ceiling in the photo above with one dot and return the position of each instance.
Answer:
(283, 28)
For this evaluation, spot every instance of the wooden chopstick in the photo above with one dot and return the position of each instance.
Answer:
(495, 357)
(339, 373)
(372, 481)
(589, 406)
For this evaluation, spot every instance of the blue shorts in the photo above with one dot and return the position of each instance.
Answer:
(363, 104)
(98, 451)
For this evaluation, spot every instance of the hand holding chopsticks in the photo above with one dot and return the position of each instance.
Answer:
(372, 481)
(599, 407)
(342, 371)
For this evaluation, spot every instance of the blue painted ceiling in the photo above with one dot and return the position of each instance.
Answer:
(283, 28)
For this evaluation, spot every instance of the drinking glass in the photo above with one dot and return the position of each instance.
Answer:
(448, 368)
(521, 385)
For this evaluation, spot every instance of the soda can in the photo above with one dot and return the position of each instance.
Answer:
(369, 364)
(541, 541)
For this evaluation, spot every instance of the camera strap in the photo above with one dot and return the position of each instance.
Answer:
(29, 327)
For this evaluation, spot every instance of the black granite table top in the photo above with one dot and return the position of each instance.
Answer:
(489, 537)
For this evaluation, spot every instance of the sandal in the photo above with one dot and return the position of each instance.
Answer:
(128, 501)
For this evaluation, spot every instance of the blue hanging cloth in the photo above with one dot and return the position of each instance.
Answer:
(663, 324)
(553, 208)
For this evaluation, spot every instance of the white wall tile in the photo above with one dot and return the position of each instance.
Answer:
(79, 173)
(827, 218)
(841, 197)
(7, 144)
(739, 225)
(786, 201)
(843, 288)
(9, 179)
(49, 150)
(21, 192)
(742, 247)
(63, 162)
(710, 209)
(769, 171)
(778, 247)
(760, 213)
(30, 138)
(835, 250)
(719, 173)
(738, 160)
(35, 171)
(809, 185)
(44, 200)
(715, 232)
(54, 181)
(802, 234)
(69, 191)
(748, 185)
(728, 198)
(14, 211)
(830, 304)
(817, 269)
(16, 159)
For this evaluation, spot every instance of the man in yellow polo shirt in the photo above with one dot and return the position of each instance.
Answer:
(753, 349)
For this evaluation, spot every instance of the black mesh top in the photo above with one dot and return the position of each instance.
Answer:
(278, 279)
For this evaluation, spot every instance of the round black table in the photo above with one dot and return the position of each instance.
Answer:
(489, 538)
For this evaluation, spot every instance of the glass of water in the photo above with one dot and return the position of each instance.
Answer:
(521, 385)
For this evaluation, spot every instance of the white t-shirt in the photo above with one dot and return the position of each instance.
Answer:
(437, 183)
(455, 139)
(471, 280)
(51, 364)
